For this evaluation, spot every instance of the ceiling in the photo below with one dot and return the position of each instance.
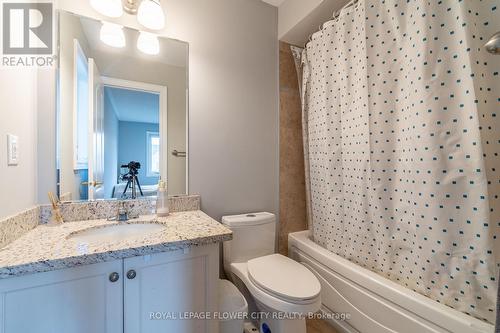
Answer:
(133, 105)
(275, 3)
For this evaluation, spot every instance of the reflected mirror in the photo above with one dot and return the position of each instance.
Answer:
(122, 111)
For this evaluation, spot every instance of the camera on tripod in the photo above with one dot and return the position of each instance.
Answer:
(132, 179)
(133, 167)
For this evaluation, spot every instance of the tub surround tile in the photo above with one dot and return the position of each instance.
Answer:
(293, 216)
(47, 248)
(13, 227)
(288, 73)
(91, 210)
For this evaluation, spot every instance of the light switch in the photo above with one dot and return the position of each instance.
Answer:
(12, 150)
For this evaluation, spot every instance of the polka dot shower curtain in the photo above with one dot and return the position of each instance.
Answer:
(402, 134)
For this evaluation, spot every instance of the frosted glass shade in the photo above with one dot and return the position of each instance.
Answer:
(150, 15)
(112, 34)
(148, 43)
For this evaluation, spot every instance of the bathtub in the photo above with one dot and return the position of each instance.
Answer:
(356, 300)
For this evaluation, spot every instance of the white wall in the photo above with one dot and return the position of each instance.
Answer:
(18, 95)
(293, 11)
(233, 80)
(46, 135)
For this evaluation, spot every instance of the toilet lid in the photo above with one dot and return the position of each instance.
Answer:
(284, 277)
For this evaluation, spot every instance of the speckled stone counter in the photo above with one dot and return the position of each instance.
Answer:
(13, 227)
(48, 248)
(100, 209)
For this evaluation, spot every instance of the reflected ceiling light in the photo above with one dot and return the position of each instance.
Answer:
(150, 15)
(111, 8)
(112, 34)
(148, 43)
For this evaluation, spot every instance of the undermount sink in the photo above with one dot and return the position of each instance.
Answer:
(116, 232)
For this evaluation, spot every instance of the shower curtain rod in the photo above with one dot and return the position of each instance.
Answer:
(334, 16)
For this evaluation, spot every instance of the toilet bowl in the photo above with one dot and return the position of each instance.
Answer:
(283, 290)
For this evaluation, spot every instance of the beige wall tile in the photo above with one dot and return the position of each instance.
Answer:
(292, 180)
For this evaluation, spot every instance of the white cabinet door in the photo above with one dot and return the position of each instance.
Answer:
(167, 285)
(76, 300)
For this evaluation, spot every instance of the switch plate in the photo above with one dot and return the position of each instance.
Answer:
(12, 150)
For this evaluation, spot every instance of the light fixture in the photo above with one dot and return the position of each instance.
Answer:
(149, 12)
(112, 34)
(148, 43)
(150, 15)
(111, 8)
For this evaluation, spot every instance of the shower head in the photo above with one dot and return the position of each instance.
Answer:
(493, 44)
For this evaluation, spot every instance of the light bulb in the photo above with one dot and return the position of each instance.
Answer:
(111, 8)
(148, 43)
(150, 15)
(112, 34)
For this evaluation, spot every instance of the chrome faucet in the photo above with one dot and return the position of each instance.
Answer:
(122, 213)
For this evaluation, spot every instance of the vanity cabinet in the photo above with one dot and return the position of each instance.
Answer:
(162, 290)
(76, 300)
(146, 294)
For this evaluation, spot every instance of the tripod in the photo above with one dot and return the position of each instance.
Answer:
(133, 183)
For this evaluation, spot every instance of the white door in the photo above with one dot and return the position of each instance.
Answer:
(96, 133)
(76, 300)
(159, 288)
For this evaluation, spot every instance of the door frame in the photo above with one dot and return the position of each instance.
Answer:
(162, 91)
(78, 53)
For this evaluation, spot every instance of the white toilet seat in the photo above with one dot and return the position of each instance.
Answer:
(273, 274)
(273, 300)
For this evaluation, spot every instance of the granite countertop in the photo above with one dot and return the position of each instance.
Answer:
(48, 248)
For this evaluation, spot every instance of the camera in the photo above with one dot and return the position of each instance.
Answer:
(133, 167)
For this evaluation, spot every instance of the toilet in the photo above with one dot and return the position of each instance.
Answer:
(249, 258)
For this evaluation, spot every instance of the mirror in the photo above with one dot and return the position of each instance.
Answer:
(122, 111)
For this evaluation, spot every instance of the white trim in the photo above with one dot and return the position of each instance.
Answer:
(91, 128)
(149, 153)
(187, 119)
(187, 141)
(163, 93)
(77, 53)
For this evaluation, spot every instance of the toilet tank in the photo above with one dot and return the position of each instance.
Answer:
(253, 236)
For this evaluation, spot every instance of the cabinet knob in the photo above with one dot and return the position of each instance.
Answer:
(113, 277)
(131, 274)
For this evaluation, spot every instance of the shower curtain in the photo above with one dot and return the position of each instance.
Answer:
(402, 132)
